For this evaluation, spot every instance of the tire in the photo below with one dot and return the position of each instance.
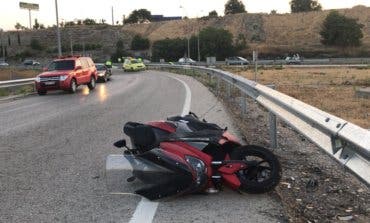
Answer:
(41, 92)
(104, 79)
(92, 83)
(266, 165)
(73, 86)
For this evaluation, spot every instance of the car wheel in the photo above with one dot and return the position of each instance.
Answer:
(40, 92)
(73, 86)
(92, 83)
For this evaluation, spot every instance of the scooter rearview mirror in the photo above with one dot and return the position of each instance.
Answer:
(120, 144)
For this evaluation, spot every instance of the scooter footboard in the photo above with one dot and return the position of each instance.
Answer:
(155, 174)
(126, 173)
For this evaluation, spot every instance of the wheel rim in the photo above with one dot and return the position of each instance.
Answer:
(259, 169)
(74, 86)
(92, 82)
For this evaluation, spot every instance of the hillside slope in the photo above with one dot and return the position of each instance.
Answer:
(272, 35)
(268, 33)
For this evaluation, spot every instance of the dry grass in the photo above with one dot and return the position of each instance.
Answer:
(330, 89)
(11, 73)
(286, 32)
(303, 29)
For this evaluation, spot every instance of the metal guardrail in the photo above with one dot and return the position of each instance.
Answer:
(347, 143)
(19, 82)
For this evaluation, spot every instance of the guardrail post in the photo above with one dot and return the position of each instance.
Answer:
(218, 90)
(273, 131)
(243, 103)
(228, 91)
(272, 126)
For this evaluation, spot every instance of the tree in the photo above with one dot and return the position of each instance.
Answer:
(89, 22)
(36, 25)
(213, 14)
(339, 30)
(234, 6)
(140, 43)
(36, 45)
(240, 43)
(213, 42)
(18, 26)
(120, 50)
(304, 5)
(139, 16)
(69, 23)
(18, 39)
(169, 49)
(216, 42)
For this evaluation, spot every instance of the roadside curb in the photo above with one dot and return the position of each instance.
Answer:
(15, 97)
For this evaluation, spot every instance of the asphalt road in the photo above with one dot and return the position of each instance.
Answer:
(53, 150)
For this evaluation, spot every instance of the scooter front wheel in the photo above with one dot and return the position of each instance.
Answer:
(263, 172)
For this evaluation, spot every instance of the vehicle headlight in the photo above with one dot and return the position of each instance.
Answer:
(101, 74)
(38, 79)
(63, 77)
(199, 167)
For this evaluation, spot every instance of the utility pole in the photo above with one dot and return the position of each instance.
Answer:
(29, 16)
(58, 31)
(2, 44)
(83, 47)
(255, 59)
(112, 17)
(198, 48)
(188, 47)
(71, 43)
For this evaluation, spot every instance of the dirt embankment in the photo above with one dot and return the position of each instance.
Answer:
(270, 34)
(330, 89)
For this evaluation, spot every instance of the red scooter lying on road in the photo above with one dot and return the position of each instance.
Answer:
(185, 155)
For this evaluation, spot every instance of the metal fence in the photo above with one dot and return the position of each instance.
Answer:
(347, 143)
(14, 83)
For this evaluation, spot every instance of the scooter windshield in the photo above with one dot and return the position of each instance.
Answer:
(154, 174)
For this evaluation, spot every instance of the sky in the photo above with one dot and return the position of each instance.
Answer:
(69, 10)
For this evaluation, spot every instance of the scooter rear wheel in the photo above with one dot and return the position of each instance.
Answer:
(263, 172)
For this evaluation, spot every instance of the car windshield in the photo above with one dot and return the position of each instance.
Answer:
(62, 65)
(100, 66)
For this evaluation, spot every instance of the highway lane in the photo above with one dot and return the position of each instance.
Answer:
(53, 150)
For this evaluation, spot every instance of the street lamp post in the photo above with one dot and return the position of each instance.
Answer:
(198, 48)
(58, 31)
(2, 44)
(184, 14)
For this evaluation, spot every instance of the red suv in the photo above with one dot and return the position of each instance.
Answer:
(67, 74)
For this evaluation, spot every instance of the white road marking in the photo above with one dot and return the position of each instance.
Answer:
(146, 209)
(187, 103)
(144, 212)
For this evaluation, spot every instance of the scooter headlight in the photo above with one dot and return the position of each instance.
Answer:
(199, 167)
